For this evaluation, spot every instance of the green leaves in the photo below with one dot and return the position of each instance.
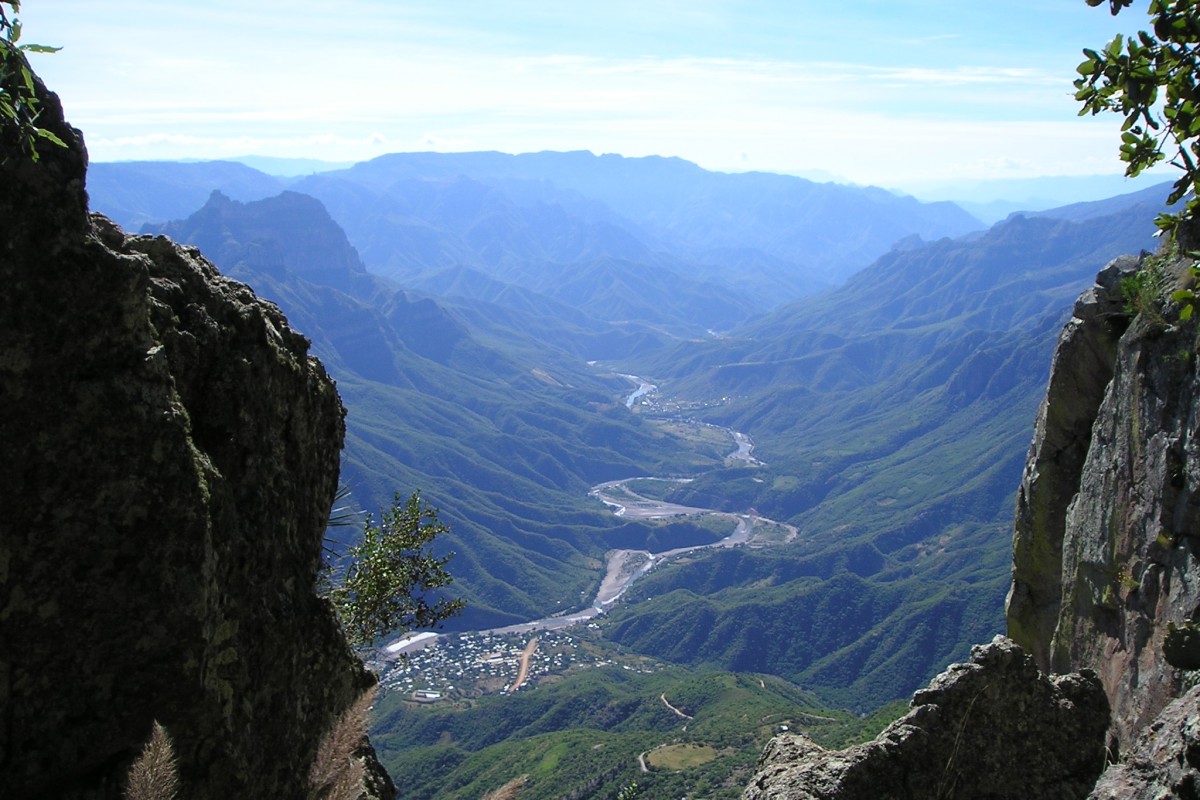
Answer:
(1187, 297)
(391, 571)
(1150, 79)
(1114, 5)
(19, 109)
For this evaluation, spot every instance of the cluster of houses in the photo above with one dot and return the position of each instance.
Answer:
(459, 665)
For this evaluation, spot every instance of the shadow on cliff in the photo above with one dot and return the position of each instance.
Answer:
(170, 454)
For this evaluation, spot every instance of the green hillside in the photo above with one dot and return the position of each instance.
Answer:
(892, 434)
(504, 434)
(582, 736)
(889, 420)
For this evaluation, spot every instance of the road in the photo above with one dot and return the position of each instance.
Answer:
(667, 703)
(523, 673)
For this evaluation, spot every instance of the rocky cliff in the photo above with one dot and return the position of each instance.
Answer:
(1105, 585)
(170, 454)
(993, 727)
(1108, 517)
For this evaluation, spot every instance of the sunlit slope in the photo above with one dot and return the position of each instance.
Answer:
(503, 433)
(893, 422)
(582, 736)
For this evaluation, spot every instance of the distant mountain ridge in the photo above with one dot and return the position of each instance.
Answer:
(768, 238)
(503, 432)
(891, 413)
(830, 229)
(134, 193)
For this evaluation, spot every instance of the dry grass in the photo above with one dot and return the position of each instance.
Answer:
(681, 756)
(153, 776)
(336, 773)
(509, 791)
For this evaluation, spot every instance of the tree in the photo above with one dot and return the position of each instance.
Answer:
(19, 106)
(391, 572)
(1151, 80)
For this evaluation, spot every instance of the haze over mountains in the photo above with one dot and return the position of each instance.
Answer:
(886, 357)
(409, 213)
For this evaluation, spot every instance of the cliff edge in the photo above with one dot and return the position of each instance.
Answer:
(993, 727)
(1105, 585)
(1106, 548)
(170, 453)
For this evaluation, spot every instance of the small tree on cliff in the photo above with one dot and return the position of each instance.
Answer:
(19, 107)
(1151, 79)
(391, 572)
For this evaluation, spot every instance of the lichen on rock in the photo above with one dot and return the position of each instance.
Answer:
(1080, 372)
(1114, 515)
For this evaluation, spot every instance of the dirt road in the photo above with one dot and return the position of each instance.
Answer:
(523, 673)
(667, 703)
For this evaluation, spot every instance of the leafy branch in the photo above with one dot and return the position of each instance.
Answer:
(1151, 80)
(392, 573)
(19, 105)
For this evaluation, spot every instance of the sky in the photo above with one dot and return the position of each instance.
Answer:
(884, 92)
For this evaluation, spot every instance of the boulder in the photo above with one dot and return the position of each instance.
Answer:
(993, 727)
(1164, 762)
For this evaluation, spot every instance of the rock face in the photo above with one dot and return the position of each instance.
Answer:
(990, 728)
(1163, 762)
(1108, 517)
(1080, 372)
(170, 454)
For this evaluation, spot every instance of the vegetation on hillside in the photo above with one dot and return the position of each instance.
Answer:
(582, 736)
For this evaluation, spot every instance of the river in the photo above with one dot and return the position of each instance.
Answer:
(643, 389)
(624, 567)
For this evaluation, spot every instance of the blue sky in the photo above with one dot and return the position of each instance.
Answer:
(875, 91)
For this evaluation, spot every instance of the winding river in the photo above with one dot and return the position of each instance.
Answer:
(624, 567)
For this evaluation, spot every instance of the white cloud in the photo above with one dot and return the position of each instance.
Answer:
(297, 80)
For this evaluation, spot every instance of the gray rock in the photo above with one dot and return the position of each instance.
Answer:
(1108, 515)
(170, 451)
(994, 727)
(1080, 372)
(1165, 760)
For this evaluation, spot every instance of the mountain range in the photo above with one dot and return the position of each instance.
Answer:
(478, 312)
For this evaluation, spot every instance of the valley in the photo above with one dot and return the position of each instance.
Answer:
(707, 472)
(483, 662)
(789, 503)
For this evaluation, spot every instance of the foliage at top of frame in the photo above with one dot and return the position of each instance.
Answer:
(19, 105)
(1150, 79)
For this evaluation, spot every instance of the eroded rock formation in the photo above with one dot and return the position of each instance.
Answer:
(1080, 372)
(1163, 762)
(170, 450)
(1105, 546)
(990, 728)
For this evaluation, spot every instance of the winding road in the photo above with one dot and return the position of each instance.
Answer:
(667, 703)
